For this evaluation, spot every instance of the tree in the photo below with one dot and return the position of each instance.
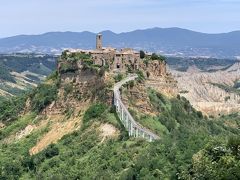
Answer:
(157, 57)
(154, 56)
(142, 54)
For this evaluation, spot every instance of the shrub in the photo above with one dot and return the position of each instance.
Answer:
(158, 57)
(234, 145)
(94, 111)
(142, 54)
(141, 76)
(43, 96)
(51, 151)
(5, 74)
(118, 77)
(10, 108)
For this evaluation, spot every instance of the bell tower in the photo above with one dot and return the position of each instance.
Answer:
(99, 42)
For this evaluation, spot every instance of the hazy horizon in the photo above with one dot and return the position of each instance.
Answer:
(41, 33)
(38, 17)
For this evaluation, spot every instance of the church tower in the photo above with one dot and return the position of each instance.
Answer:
(99, 42)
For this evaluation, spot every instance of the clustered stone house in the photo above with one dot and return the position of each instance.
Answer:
(117, 60)
(121, 60)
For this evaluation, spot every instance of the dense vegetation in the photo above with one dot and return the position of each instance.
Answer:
(40, 64)
(70, 61)
(10, 108)
(80, 156)
(5, 74)
(32, 68)
(191, 145)
(157, 57)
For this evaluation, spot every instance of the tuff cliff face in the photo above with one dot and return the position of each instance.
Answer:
(155, 68)
(160, 79)
(85, 81)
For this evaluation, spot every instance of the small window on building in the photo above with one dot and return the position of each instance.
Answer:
(118, 66)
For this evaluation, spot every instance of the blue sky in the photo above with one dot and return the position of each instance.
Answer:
(39, 16)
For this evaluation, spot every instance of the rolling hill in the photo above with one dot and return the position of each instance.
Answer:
(20, 72)
(173, 41)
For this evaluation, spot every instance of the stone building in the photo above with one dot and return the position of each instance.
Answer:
(115, 59)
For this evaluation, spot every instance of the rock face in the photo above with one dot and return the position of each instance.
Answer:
(85, 82)
(139, 97)
(160, 79)
(201, 90)
(155, 68)
(157, 78)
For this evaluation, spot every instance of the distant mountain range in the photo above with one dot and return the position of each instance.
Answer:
(168, 41)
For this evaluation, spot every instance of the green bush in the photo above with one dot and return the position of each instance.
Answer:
(158, 57)
(142, 54)
(234, 145)
(5, 74)
(141, 76)
(10, 108)
(94, 111)
(42, 96)
(118, 77)
(51, 151)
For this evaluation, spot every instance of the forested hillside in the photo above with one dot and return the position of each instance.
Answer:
(192, 147)
(21, 72)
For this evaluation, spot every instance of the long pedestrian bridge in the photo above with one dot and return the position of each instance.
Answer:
(134, 129)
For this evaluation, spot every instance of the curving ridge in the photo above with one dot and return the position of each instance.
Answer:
(134, 129)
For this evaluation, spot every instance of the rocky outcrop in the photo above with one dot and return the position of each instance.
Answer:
(139, 99)
(198, 87)
(159, 78)
(156, 68)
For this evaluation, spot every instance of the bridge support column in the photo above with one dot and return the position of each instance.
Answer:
(151, 139)
(126, 121)
(120, 112)
(117, 106)
(136, 132)
(130, 128)
(133, 131)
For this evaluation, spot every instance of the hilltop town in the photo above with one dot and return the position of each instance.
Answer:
(122, 60)
(109, 61)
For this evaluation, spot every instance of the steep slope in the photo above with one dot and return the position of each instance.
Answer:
(76, 102)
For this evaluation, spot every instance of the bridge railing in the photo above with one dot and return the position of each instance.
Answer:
(134, 129)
